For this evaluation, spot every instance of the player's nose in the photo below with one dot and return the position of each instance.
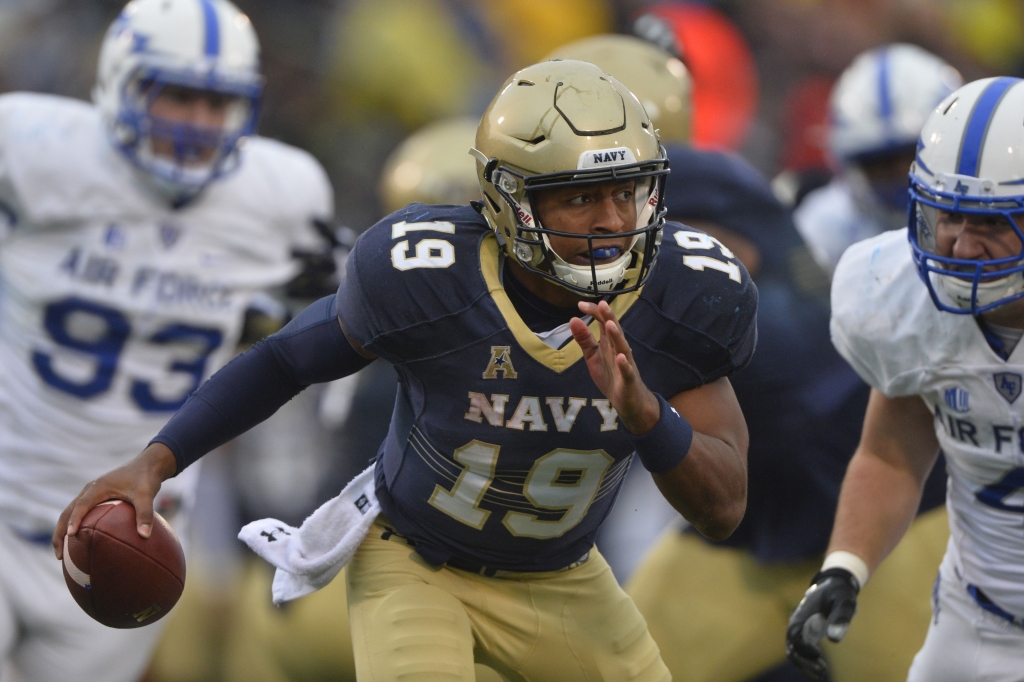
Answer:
(969, 244)
(203, 112)
(609, 216)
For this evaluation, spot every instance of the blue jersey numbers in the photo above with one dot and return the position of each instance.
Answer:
(99, 333)
(92, 330)
(999, 494)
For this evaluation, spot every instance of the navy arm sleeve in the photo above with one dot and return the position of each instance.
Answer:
(310, 349)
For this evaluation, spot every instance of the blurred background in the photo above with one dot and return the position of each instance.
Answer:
(349, 80)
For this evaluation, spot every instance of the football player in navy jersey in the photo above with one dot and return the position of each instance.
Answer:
(540, 339)
(804, 406)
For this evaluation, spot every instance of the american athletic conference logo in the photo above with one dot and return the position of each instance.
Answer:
(957, 399)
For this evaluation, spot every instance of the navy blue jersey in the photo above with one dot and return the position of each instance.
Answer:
(502, 451)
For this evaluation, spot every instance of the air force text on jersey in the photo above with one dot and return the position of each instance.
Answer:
(150, 284)
(114, 306)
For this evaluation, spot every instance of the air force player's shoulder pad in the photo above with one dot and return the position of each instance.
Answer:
(52, 168)
(883, 321)
(708, 298)
(408, 274)
(289, 185)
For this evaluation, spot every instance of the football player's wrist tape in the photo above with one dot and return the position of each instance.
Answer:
(849, 561)
(662, 448)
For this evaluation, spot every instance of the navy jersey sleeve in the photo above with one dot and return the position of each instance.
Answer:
(408, 274)
(695, 321)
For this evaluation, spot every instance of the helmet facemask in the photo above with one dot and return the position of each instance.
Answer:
(155, 46)
(198, 153)
(969, 286)
(877, 189)
(531, 242)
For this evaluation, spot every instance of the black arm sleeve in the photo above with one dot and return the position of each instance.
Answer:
(310, 349)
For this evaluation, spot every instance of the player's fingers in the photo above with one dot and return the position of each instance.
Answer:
(810, 664)
(626, 369)
(606, 312)
(581, 332)
(60, 531)
(618, 338)
(143, 503)
(839, 620)
(802, 647)
(85, 502)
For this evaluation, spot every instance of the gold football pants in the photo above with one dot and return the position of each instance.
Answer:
(720, 616)
(306, 640)
(414, 622)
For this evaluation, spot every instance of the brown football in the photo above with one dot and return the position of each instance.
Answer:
(118, 577)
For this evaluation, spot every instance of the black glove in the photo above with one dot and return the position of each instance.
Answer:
(826, 610)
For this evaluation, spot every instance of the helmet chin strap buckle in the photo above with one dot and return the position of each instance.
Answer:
(524, 252)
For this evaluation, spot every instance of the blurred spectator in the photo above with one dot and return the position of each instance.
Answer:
(805, 162)
(989, 31)
(876, 110)
(725, 89)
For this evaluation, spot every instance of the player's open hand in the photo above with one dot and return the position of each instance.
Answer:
(137, 483)
(611, 365)
(825, 611)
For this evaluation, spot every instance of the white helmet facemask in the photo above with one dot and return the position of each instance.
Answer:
(203, 48)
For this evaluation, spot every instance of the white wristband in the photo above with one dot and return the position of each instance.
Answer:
(849, 561)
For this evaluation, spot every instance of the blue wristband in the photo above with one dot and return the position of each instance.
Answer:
(666, 445)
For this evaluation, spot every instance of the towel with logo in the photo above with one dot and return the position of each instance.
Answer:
(308, 557)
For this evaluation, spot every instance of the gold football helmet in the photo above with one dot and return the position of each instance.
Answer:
(564, 123)
(431, 166)
(658, 79)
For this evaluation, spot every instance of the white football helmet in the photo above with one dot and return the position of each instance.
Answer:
(206, 45)
(969, 161)
(877, 108)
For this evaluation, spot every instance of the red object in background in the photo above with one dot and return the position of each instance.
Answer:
(806, 125)
(724, 75)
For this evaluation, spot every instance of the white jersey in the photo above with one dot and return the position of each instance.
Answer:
(829, 220)
(885, 324)
(113, 306)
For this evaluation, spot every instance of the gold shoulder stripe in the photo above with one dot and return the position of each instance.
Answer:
(555, 360)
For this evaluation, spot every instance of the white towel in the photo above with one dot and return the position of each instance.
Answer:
(308, 557)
